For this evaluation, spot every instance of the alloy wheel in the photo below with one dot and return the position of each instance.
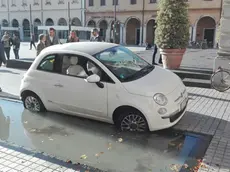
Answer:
(133, 122)
(32, 104)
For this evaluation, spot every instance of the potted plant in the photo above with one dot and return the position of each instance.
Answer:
(172, 32)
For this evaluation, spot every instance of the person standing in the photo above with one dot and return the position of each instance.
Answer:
(95, 37)
(16, 45)
(72, 37)
(6, 41)
(51, 39)
(155, 49)
(41, 44)
(2, 57)
(32, 41)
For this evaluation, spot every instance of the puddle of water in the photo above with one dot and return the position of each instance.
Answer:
(98, 144)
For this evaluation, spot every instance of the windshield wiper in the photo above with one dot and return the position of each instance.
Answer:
(140, 73)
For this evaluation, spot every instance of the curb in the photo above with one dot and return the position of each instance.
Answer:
(9, 96)
(19, 63)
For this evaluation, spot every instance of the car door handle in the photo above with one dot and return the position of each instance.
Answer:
(58, 85)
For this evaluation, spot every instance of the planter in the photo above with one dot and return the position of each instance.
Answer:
(172, 58)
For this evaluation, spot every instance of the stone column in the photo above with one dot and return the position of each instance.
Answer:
(223, 57)
(144, 34)
(107, 37)
(121, 33)
(194, 33)
(140, 40)
(124, 35)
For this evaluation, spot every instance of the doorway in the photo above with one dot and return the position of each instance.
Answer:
(137, 37)
(209, 36)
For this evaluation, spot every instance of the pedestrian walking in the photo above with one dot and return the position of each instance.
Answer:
(32, 41)
(95, 37)
(72, 37)
(41, 44)
(155, 49)
(52, 38)
(7, 42)
(16, 45)
(2, 57)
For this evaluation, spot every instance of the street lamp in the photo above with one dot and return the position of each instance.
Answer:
(31, 25)
(69, 16)
(115, 21)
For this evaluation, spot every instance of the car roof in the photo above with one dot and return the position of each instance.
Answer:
(90, 48)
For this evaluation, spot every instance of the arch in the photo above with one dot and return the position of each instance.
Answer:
(130, 18)
(149, 19)
(37, 22)
(91, 23)
(150, 31)
(5, 23)
(103, 25)
(49, 22)
(62, 22)
(15, 23)
(26, 29)
(76, 22)
(205, 30)
(133, 25)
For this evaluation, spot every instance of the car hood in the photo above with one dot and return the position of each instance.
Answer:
(158, 81)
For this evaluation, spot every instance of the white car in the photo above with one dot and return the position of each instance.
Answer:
(105, 82)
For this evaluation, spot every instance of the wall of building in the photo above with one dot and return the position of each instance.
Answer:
(126, 11)
(40, 11)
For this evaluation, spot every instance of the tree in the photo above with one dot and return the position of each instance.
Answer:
(172, 30)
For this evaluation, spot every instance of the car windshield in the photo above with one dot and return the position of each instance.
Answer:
(124, 64)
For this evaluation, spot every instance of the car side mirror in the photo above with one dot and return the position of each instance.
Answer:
(93, 79)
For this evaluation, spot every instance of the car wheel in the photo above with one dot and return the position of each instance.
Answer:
(133, 121)
(33, 103)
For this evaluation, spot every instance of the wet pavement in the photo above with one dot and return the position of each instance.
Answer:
(98, 144)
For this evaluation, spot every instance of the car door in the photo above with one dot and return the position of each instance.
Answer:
(76, 96)
(46, 79)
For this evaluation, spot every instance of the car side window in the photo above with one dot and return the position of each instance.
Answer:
(50, 63)
(47, 64)
(79, 66)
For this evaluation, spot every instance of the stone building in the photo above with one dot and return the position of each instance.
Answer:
(136, 19)
(26, 16)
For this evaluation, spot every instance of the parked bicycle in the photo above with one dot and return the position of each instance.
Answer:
(220, 80)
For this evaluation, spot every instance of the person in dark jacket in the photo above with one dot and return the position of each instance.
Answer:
(155, 49)
(16, 45)
(2, 55)
(32, 41)
(95, 37)
(52, 38)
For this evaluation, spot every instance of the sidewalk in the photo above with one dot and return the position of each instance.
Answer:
(208, 113)
(17, 159)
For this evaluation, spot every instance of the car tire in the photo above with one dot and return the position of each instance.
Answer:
(32, 102)
(132, 121)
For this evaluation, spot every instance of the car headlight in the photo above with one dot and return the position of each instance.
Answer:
(160, 99)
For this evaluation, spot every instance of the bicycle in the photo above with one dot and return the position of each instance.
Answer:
(220, 80)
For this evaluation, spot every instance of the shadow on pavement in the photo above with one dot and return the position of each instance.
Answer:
(8, 95)
(8, 71)
(209, 97)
